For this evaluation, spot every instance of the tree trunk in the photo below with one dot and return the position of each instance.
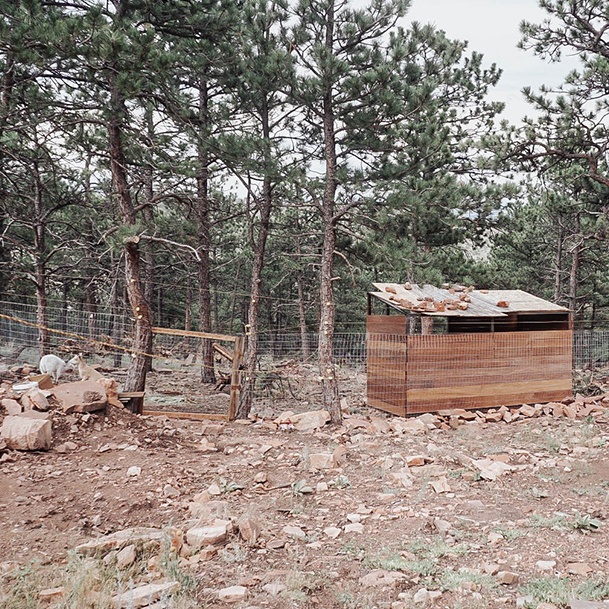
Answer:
(117, 328)
(302, 319)
(91, 308)
(259, 247)
(148, 247)
(574, 273)
(558, 263)
(42, 321)
(44, 338)
(136, 374)
(204, 240)
(327, 370)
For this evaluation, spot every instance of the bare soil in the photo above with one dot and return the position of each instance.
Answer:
(439, 526)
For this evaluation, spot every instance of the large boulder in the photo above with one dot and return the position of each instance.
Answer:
(21, 433)
(82, 396)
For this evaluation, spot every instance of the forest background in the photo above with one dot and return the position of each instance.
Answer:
(254, 165)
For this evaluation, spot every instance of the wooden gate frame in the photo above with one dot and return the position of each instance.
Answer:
(235, 386)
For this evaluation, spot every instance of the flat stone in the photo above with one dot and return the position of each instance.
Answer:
(320, 461)
(507, 578)
(126, 557)
(12, 407)
(113, 541)
(21, 433)
(354, 527)
(51, 594)
(201, 507)
(380, 425)
(274, 588)
(309, 421)
(491, 470)
(421, 597)
(232, 594)
(440, 485)
(199, 537)
(332, 532)
(380, 578)
(545, 565)
(493, 417)
(430, 420)
(416, 460)
(38, 400)
(526, 410)
(295, 532)
(579, 568)
(144, 595)
(249, 530)
(409, 426)
(82, 396)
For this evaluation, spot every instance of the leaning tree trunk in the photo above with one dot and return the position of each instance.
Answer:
(136, 374)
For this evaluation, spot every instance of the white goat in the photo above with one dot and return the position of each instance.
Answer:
(54, 366)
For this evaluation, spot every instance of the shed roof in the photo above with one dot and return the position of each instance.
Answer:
(459, 301)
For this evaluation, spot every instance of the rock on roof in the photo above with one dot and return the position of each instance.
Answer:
(461, 301)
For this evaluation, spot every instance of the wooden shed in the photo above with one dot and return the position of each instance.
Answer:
(430, 349)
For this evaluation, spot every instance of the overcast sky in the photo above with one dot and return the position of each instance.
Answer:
(491, 27)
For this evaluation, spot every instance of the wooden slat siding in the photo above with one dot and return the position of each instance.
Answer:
(479, 371)
(386, 324)
(386, 406)
(527, 396)
(386, 362)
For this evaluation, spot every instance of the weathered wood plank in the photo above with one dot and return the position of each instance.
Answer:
(387, 324)
(211, 336)
(386, 406)
(496, 390)
(195, 416)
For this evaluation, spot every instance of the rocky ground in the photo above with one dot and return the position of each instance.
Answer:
(502, 508)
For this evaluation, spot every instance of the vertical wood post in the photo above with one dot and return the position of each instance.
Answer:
(235, 383)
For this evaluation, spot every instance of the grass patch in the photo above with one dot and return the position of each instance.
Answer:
(451, 580)
(437, 548)
(556, 523)
(561, 590)
(509, 534)
(580, 522)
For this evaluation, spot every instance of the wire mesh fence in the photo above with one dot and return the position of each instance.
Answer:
(73, 328)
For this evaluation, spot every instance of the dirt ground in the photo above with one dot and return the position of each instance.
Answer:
(342, 520)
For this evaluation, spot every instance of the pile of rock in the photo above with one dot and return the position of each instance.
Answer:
(29, 409)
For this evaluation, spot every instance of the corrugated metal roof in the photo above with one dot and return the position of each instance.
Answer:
(460, 301)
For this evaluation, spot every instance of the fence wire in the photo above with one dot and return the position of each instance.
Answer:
(590, 347)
